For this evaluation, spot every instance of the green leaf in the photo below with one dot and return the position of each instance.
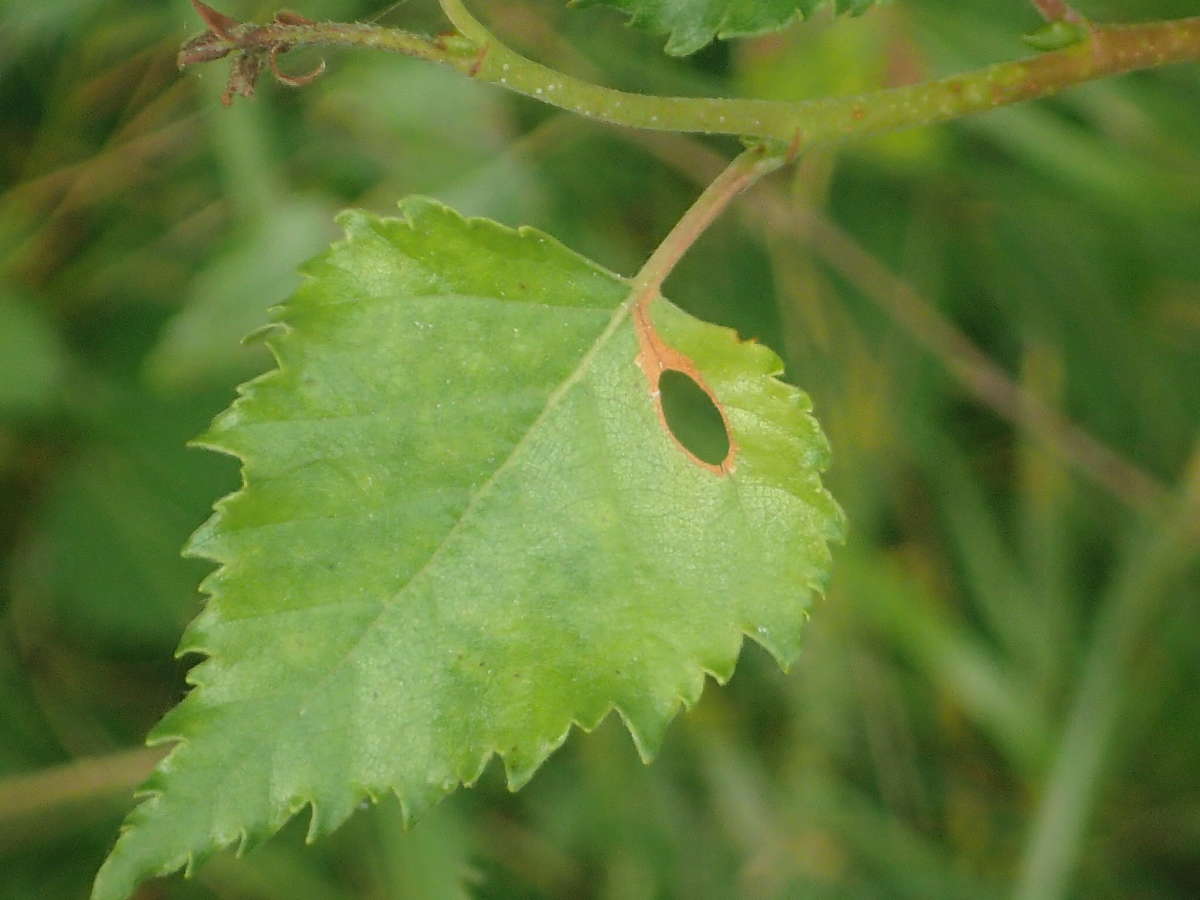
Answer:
(692, 24)
(464, 528)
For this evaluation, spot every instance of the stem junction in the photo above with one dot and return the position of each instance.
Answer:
(1102, 50)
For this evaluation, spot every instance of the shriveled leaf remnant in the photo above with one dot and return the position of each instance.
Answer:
(463, 528)
(692, 24)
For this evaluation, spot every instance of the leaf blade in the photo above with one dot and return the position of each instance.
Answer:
(691, 25)
(440, 556)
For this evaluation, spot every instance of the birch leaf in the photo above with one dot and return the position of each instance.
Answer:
(465, 526)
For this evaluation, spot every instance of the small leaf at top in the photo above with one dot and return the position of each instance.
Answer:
(692, 24)
(464, 527)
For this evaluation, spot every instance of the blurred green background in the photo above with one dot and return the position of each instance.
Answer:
(998, 697)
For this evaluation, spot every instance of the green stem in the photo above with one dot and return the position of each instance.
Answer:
(1107, 50)
(261, 39)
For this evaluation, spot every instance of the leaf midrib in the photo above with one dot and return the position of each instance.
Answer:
(620, 314)
(552, 401)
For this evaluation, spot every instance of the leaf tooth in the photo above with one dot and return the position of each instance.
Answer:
(324, 818)
(468, 776)
(216, 437)
(780, 640)
(173, 726)
(205, 543)
(246, 842)
(647, 726)
(355, 223)
(198, 856)
(419, 799)
(723, 662)
(264, 333)
(520, 767)
(693, 687)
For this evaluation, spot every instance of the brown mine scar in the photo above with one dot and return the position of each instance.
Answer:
(654, 358)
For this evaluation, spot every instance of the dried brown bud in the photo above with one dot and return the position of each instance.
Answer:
(218, 23)
(243, 77)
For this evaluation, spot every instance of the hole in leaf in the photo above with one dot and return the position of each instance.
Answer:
(693, 417)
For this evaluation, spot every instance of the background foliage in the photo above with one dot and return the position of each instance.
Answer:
(144, 230)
